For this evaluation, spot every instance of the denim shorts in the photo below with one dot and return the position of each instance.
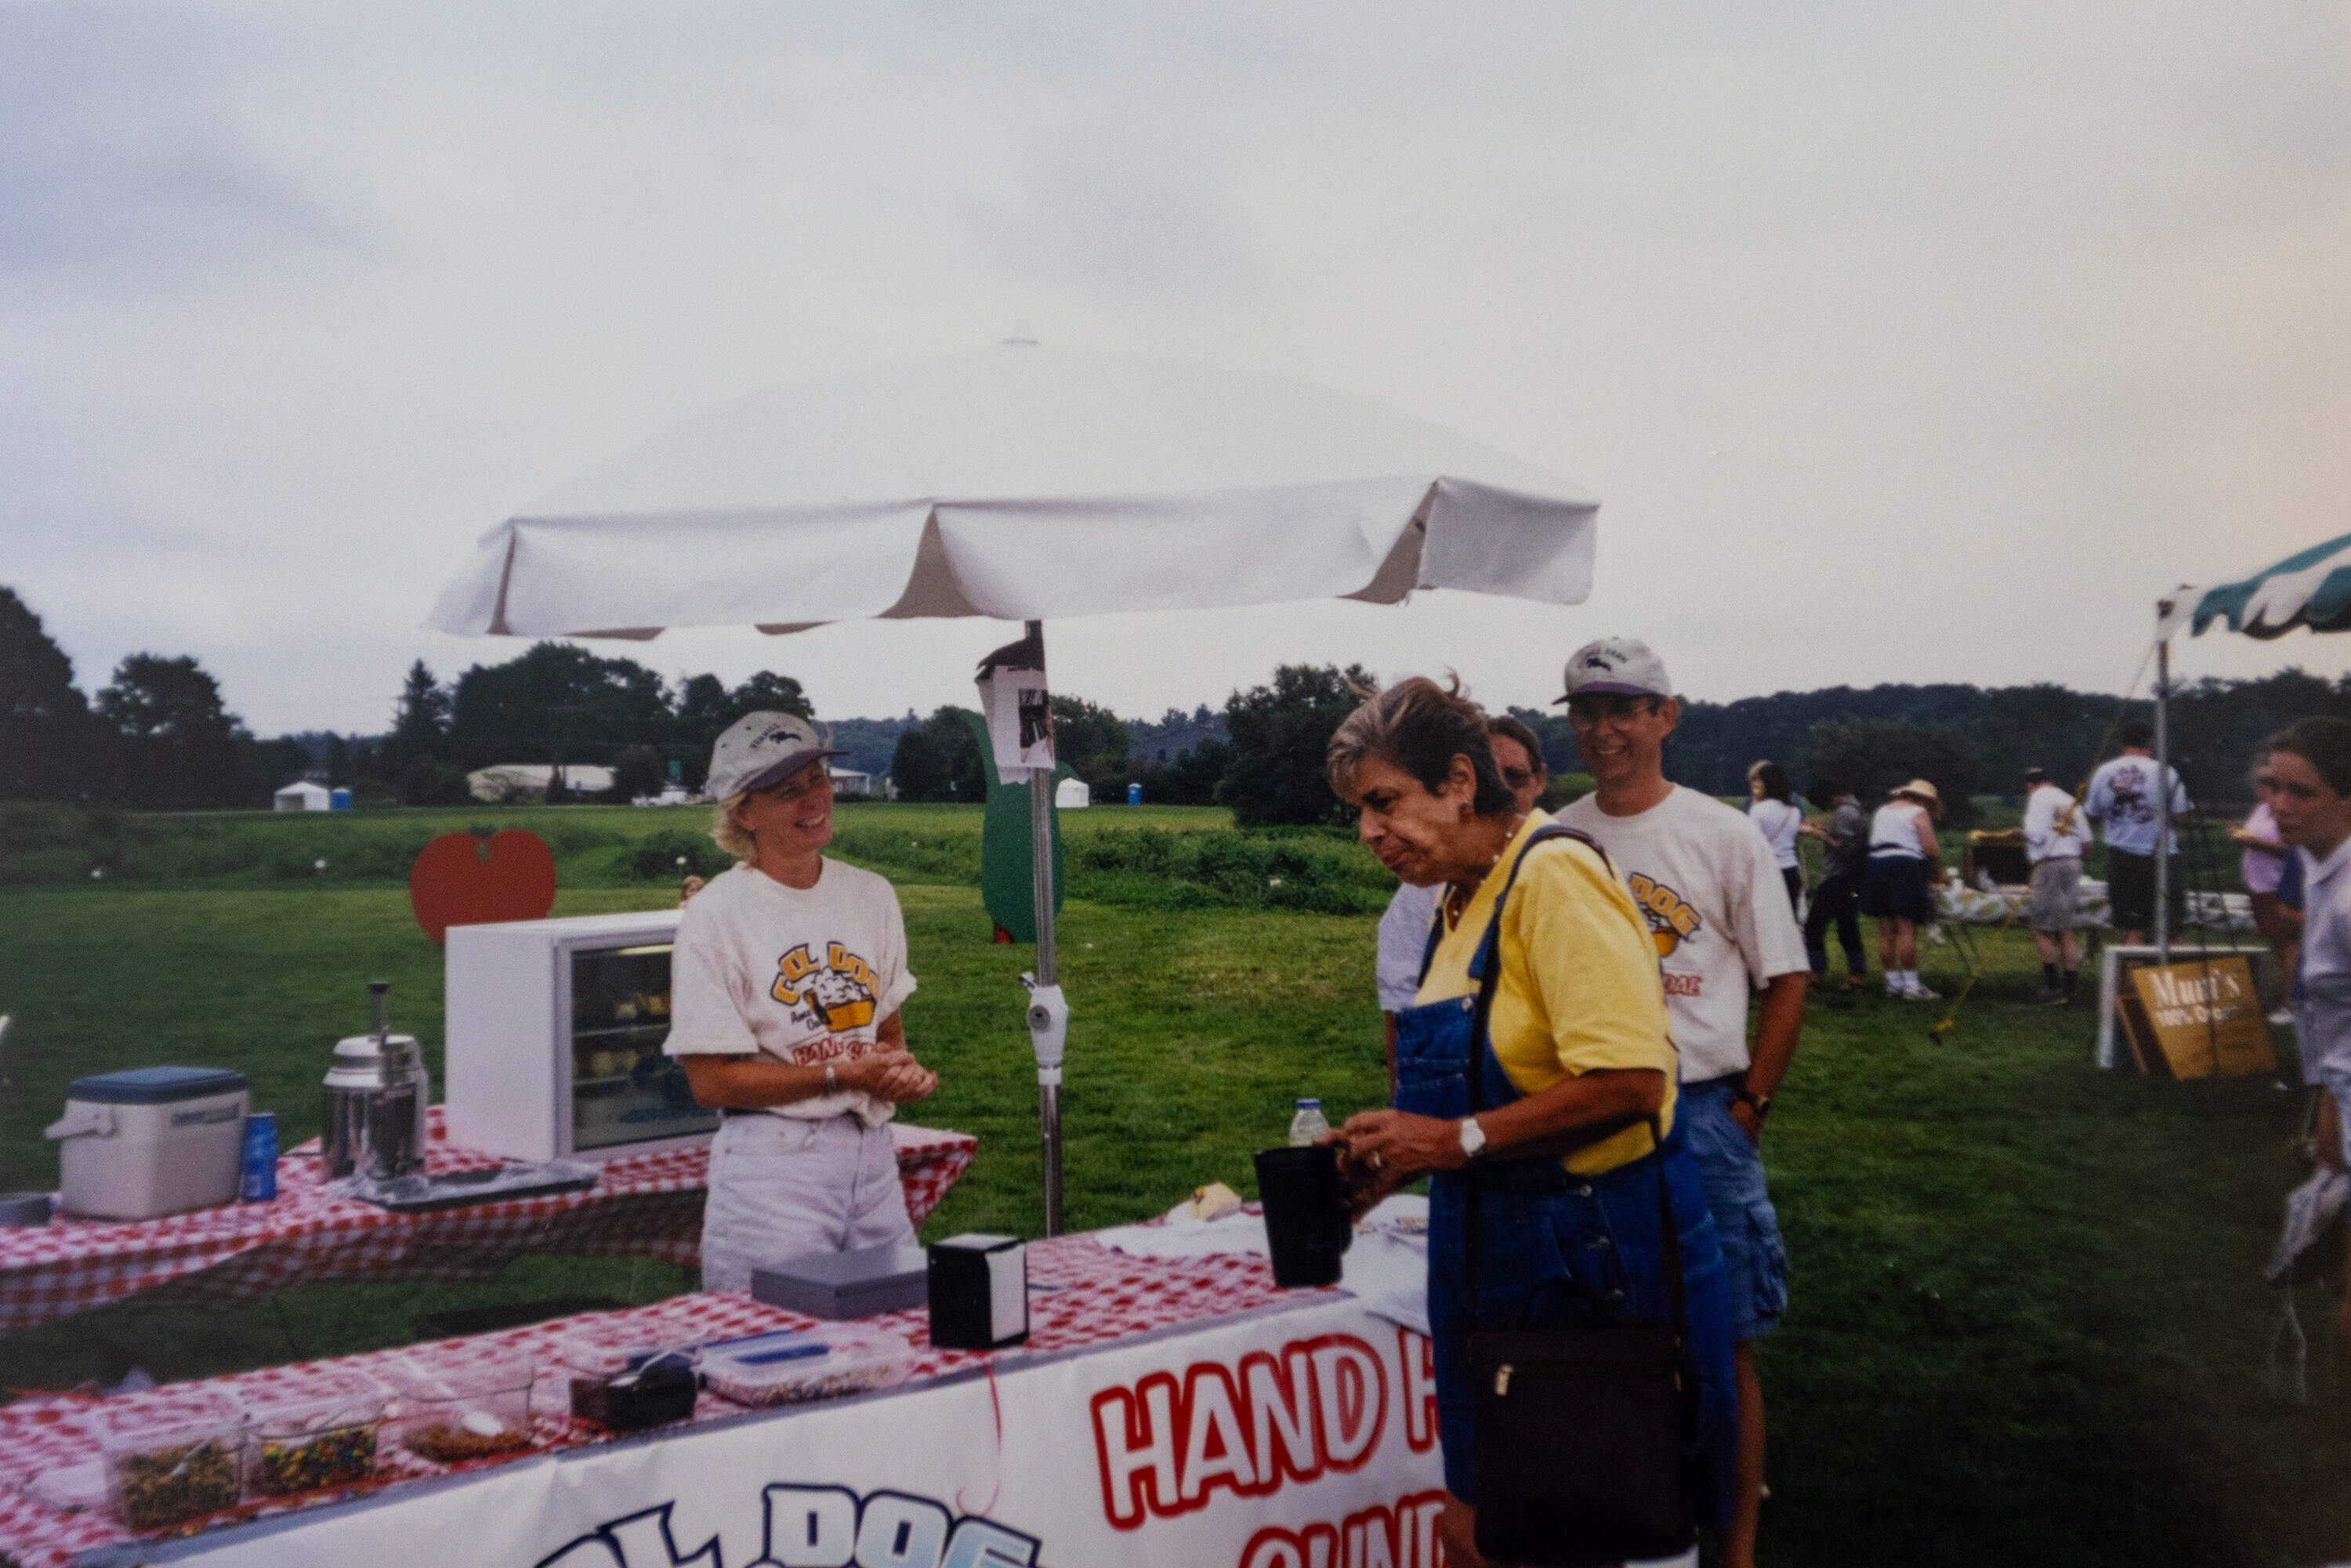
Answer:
(1754, 1261)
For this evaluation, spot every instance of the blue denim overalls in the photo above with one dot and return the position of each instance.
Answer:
(1556, 1249)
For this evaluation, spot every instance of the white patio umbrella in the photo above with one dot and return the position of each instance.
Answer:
(1023, 483)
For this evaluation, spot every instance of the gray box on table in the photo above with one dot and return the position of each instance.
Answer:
(841, 1285)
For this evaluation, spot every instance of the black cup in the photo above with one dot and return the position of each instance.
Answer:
(1306, 1219)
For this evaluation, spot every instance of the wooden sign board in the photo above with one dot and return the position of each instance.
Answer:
(2203, 1017)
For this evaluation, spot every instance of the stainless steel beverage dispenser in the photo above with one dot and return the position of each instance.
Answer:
(377, 1096)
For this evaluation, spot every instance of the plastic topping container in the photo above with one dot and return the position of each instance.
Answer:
(171, 1459)
(322, 1436)
(819, 1363)
(450, 1414)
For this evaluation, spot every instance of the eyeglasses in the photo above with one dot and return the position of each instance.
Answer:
(1610, 707)
(1520, 778)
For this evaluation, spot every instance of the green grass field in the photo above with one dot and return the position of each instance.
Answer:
(2028, 1322)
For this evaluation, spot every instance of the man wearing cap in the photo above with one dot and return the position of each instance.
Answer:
(1711, 889)
(2126, 800)
(2056, 835)
(786, 984)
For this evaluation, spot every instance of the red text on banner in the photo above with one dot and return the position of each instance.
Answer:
(1166, 1443)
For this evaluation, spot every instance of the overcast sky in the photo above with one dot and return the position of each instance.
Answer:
(1899, 341)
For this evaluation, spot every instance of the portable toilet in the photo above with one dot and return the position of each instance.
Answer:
(338, 799)
(1073, 795)
(1134, 794)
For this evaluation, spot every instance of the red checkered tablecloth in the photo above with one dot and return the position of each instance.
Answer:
(646, 1204)
(1081, 1296)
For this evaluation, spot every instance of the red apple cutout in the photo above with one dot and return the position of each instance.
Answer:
(460, 880)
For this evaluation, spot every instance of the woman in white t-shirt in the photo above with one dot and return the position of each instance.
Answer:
(786, 984)
(1775, 814)
(1906, 861)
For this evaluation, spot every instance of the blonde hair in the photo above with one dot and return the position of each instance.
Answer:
(727, 833)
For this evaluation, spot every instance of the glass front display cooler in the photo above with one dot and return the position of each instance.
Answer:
(555, 1035)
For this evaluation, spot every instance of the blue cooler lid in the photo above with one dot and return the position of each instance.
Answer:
(155, 1085)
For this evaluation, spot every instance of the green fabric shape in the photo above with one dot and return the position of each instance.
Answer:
(1005, 862)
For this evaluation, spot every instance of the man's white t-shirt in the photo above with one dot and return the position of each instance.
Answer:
(2123, 796)
(2042, 841)
(1706, 881)
(1404, 942)
(803, 976)
(1777, 820)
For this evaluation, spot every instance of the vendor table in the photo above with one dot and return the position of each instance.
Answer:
(1980, 906)
(1162, 1410)
(647, 1206)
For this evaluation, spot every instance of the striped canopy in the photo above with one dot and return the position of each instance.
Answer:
(2311, 589)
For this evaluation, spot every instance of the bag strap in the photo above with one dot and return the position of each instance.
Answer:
(1488, 966)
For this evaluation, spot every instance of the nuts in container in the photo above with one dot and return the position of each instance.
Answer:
(792, 1366)
(452, 1414)
(320, 1433)
(171, 1458)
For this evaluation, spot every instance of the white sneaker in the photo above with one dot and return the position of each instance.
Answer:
(1919, 993)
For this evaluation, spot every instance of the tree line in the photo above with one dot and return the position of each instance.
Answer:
(159, 736)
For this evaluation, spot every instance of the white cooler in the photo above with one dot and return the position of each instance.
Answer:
(150, 1140)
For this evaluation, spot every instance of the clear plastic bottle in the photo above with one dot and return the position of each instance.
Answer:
(1308, 1124)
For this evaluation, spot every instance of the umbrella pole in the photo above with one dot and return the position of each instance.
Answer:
(2162, 798)
(1048, 1015)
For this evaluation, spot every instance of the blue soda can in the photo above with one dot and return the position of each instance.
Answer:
(260, 1184)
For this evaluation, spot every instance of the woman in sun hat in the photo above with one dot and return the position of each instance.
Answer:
(1905, 863)
(786, 980)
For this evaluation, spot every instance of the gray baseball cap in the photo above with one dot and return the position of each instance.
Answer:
(759, 749)
(1620, 665)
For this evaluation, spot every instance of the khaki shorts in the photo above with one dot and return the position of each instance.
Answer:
(2054, 883)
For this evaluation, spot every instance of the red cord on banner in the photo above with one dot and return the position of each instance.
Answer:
(996, 1408)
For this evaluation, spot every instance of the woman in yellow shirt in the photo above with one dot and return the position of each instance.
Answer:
(1575, 1069)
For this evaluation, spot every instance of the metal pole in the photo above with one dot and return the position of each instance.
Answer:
(2162, 798)
(1041, 864)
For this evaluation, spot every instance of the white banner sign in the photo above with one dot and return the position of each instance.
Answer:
(1299, 1439)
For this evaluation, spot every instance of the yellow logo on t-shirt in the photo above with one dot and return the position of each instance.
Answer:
(1672, 921)
(838, 991)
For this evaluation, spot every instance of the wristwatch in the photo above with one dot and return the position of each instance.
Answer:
(1473, 1138)
(1759, 1103)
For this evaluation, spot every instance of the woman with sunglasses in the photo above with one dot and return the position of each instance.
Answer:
(786, 984)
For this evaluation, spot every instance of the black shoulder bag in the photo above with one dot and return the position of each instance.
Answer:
(1583, 1433)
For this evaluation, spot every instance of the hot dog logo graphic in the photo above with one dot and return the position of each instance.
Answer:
(838, 991)
(1672, 921)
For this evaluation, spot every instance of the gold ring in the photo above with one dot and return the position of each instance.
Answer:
(1375, 1161)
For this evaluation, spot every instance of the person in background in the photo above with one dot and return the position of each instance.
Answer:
(787, 979)
(1578, 1068)
(1717, 908)
(1906, 861)
(1403, 929)
(1844, 832)
(1771, 807)
(2272, 876)
(2055, 837)
(2307, 776)
(2123, 801)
